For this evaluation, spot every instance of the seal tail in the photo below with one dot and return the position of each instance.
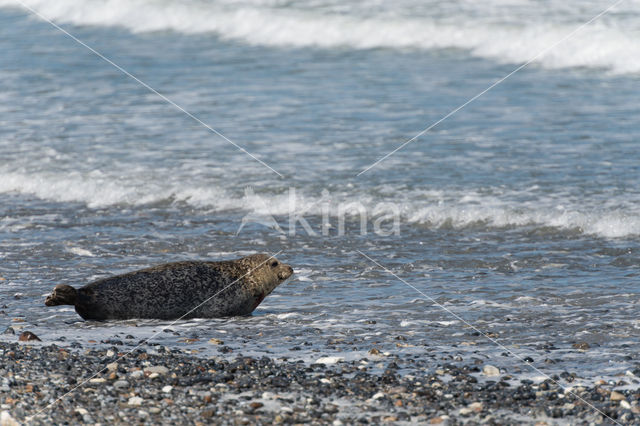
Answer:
(62, 294)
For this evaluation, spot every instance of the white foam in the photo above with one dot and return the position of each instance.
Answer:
(606, 222)
(102, 190)
(489, 29)
(287, 315)
(80, 251)
(455, 208)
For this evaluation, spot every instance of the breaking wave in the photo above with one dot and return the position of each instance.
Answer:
(510, 33)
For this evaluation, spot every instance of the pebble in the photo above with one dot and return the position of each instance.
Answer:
(490, 371)
(167, 389)
(137, 374)
(583, 346)
(7, 420)
(617, 396)
(28, 336)
(158, 369)
(135, 401)
(328, 360)
(465, 411)
(121, 384)
(476, 407)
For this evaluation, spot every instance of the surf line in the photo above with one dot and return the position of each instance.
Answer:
(485, 335)
(497, 82)
(147, 86)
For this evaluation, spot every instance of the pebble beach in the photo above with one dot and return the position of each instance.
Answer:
(152, 384)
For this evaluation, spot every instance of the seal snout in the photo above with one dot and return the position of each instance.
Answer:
(61, 295)
(286, 272)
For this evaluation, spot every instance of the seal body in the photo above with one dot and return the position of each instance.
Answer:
(188, 289)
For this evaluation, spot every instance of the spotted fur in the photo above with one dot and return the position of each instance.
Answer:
(178, 290)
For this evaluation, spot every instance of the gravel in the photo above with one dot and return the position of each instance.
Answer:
(45, 384)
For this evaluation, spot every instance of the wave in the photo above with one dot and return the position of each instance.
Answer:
(608, 223)
(457, 209)
(612, 43)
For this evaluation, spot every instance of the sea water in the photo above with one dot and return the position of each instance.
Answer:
(516, 218)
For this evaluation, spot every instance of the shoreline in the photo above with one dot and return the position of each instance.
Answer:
(163, 386)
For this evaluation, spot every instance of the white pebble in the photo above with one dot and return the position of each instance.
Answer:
(159, 369)
(329, 360)
(167, 389)
(135, 400)
(490, 371)
(7, 420)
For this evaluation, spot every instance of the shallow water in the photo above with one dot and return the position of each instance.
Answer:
(519, 214)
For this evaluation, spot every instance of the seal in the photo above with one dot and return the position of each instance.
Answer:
(188, 289)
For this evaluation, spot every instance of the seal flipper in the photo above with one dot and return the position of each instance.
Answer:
(62, 294)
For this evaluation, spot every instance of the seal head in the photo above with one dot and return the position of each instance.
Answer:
(61, 295)
(266, 273)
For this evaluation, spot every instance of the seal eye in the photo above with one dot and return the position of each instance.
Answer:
(274, 263)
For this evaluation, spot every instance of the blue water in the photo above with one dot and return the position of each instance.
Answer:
(519, 214)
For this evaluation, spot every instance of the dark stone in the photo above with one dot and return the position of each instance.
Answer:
(28, 336)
